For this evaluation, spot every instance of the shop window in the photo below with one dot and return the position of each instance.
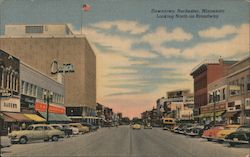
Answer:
(223, 94)
(237, 107)
(231, 104)
(248, 83)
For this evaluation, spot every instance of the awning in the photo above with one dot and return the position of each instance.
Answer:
(17, 117)
(8, 119)
(230, 114)
(211, 114)
(35, 117)
(90, 117)
(56, 117)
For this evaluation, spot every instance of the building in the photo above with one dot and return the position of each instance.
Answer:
(217, 101)
(180, 104)
(160, 105)
(34, 86)
(9, 83)
(238, 80)
(203, 74)
(41, 45)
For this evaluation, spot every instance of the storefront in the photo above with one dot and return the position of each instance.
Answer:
(56, 112)
(208, 111)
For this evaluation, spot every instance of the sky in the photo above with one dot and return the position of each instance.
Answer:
(142, 51)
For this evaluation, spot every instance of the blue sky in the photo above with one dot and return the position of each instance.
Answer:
(139, 56)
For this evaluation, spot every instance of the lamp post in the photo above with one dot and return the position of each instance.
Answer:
(48, 96)
(243, 116)
(214, 100)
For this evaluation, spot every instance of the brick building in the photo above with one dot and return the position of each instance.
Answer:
(204, 74)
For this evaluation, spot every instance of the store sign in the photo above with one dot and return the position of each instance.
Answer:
(42, 107)
(10, 104)
(65, 68)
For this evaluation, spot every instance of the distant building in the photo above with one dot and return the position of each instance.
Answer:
(180, 104)
(41, 45)
(203, 74)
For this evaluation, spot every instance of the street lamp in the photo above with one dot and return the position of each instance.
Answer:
(214, 100)
(243, 95)
(47, 96)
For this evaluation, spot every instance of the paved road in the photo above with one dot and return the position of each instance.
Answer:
(125, 142)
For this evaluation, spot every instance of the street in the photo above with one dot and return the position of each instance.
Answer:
(125, 142)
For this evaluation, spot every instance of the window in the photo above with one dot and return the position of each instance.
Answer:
(39, 128)
(223, 94)
(34, 29)
(30, 128)
(248, 83)
(47, 128)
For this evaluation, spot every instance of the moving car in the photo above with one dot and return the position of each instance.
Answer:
(36, 132)
(82, 129)
(212, 132)
(136, 126)
(226, 131)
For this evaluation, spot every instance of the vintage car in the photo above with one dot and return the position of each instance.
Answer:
(75, 131)
(226, 131)
(238, 137)
(195, 131)
(67, 131)
(82, 129)
(91, 126)
(36, 132)
(136, 126)
(212, 132)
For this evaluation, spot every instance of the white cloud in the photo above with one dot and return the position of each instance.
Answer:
(161, 35)
(222, 32)
(132, 27)
(226, 48)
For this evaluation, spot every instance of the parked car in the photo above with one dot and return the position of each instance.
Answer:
(91, 126)
(226, 131)
(75, 131)
(184, 127)
(238, 137)
(212, 132)
(67, 131)
(148, 126)
(136, 126)
(195, 131)
(82, 129)
(36, 132)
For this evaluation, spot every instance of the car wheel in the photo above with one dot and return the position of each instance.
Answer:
(23, 140)
(55, 138)
(209, 139)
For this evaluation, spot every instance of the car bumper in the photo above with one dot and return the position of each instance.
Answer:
(236, 141)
